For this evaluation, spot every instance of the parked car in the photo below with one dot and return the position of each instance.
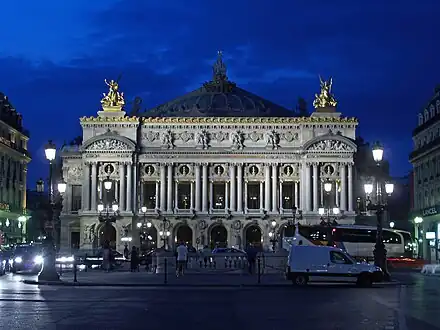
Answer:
(328, 264)
(26, 258)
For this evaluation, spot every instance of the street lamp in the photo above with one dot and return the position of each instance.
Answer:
(22, 223)
(392, 224)
(380, 252)
(62, 186)
(48, 272)
(165, 233)
(419, 236)
(273, 235)
(108, 213)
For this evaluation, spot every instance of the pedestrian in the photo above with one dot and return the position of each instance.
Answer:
(106, 257)
(134, 259)
(182, 255)
(126, 251)
(251, 257)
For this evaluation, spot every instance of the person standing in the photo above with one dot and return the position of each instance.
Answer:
(182, 256)
(106, 257)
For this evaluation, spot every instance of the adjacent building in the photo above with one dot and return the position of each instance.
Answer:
(425, 159)
(14, 158)
(213, 167)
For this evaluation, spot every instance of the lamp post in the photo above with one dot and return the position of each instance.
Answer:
(273, 235)
(329, 216)
(418, 221)
(165, 233)
(380, 252)
(142, 224)
(48, 272)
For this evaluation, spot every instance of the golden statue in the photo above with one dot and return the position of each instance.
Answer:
(114, 98)
(325, 98)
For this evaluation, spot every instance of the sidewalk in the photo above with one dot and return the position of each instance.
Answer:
(145, 279)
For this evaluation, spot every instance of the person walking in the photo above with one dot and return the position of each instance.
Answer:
(134, 259)
(182, 255)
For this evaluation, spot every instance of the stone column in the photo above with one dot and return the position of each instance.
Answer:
(233, 198)
(296, 194)
(246, 208)
(135, 183)
(350, 188)
(315, 188)
(302, 189)
(308, 190)
(129, 192)
(122, 186)
(198, 186)
(280, 200)
(343, 187)
(176, 195)
(240, 188)
(191, 193)
(24, 183)
(85, 198)
(261, 195)
(211, 195)
(156, 196)
(322, 194)
(267, 187)
(94, 186)
(227, 196)
(163, 190)
(337, 193)
(170, 188)
(205, 197)
(274, 188)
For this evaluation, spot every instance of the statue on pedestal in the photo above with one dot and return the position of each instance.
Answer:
(114, 98)
(325, 99)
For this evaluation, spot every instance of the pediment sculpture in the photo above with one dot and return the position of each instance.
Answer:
(108, 145)
(330, 145)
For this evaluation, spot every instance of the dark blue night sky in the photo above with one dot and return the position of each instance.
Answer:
(383, 56)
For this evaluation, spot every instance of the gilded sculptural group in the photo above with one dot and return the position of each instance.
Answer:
(114, 98)
(325, 98)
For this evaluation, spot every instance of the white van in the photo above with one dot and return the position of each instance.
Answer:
(328, 264)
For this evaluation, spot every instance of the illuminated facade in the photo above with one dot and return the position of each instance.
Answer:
(14, 158)
(425, 159)
(214, 167)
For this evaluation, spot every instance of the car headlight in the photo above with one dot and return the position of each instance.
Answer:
(18, 260)
(38, 259)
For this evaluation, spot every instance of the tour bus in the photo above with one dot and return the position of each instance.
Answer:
(358, 241)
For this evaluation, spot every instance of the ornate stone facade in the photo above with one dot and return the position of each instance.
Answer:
(208, 175)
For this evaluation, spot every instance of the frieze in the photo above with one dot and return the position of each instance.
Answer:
(168, 140)
(290, 136)
(330, 145)
(272, 140)
(186, 136)
(151, 136)
(109, 145)
(254, 136)
(74, 174)
(241, 120)
(202, 139)
(237, 140)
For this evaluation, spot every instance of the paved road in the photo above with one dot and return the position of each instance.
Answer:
(321, 307)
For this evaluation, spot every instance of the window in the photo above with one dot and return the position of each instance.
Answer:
(218, 190)
(339, 258)
(76, 198)
(184, 195)
(288, 195)
(149, 191)
(253, 196)
(356, 235)
(390, 237)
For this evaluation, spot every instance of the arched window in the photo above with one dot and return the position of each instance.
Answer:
(432, 110)
(420, 119)
(437, 105)
(426, 115)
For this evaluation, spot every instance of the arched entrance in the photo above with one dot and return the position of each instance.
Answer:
(218, 236)
(148, 238)
(253, 235)
(107, 234)
(184, 234)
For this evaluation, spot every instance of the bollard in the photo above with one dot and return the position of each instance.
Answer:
(75, 280)
(259, 269)
(165, 269)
